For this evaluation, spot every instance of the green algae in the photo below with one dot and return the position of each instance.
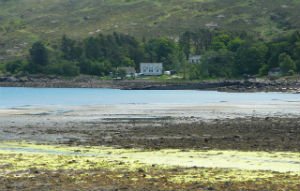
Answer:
(281, 162)
(178, 166)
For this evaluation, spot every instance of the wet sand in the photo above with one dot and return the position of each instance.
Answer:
(243, 126)
(217, 146)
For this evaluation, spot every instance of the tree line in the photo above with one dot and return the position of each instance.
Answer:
(228, 54)
(224, 54)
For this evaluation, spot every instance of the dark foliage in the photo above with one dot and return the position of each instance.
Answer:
(224, 54)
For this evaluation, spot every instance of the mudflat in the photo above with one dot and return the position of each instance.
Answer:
(217, 146)
(158, 126)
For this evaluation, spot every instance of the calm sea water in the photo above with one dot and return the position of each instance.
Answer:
(10, 97)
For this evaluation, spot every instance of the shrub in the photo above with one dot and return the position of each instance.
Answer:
(287, 65)
(14, 66)
(70, 69)
(64, 68)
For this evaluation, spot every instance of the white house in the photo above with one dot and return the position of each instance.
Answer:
(151, 69)
(196, 59)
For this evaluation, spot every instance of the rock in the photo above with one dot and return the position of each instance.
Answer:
(5, 165)
(3, 79)
(8, 79)
(33, 171)
(23, 79)
(72, 161)
(228, 184)
(211, 188)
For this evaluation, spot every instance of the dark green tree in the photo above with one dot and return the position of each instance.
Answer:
(162, 50)
(92, 48)
(38, 58)
(185, 44)
(14, 66)
(70, 69)
(84, 65)
(69, 49)
(194, 72)
(234, 44)
(275, 49)
(287, 65)
(250, 57)
(201, 40)
(217, 64)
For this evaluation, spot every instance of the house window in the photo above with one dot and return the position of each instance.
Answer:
(151, 69)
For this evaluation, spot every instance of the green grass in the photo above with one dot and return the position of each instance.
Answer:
(27, 21)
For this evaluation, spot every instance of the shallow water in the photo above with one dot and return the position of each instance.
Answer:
(11, 97)
(53, 152)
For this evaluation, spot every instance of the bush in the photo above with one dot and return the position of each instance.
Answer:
(55, 68)
(287, 65)
(97, 68)
(263, 71)
(14, 66)
(195, 72)
(70, 69)
(64, 68)
(217, 64)
(2, 67)
(297, 66)
(101, 68)
(122, 73)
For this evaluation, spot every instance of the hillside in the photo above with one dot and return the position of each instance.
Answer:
(22, 22)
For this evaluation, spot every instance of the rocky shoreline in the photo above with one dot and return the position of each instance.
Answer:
(252, 85)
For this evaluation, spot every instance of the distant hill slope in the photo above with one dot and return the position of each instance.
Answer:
(24, 21)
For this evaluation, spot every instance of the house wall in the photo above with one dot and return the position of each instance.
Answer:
(195, 59)
(275, 73)
(150, 69)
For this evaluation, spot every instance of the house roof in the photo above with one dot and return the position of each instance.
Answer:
(151, 63)
(195, 57)
(275, 69)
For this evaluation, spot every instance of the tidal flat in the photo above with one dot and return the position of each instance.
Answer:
(217, 146)
(61, 167)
